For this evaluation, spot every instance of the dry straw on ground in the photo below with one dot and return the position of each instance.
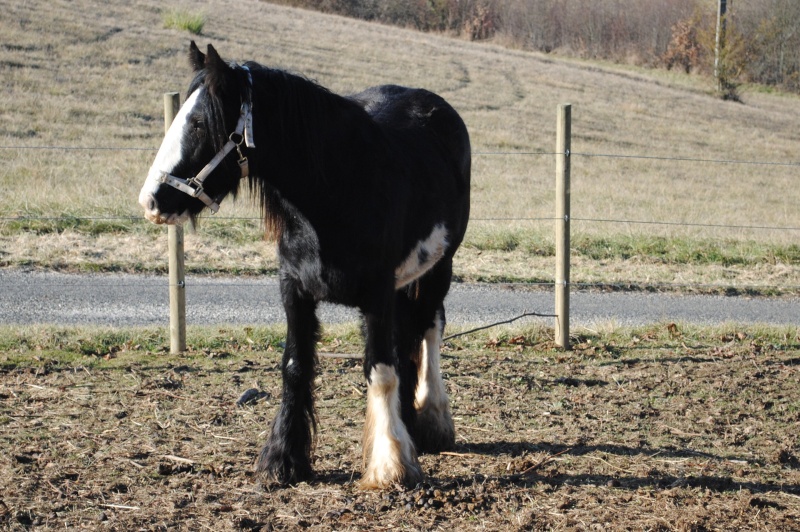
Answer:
(656, 429)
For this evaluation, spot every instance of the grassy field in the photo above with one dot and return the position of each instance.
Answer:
(668, 428)
(88, 74)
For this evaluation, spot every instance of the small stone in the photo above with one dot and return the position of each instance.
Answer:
(250, 396)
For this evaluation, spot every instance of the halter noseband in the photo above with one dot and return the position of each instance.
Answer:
(243, 134)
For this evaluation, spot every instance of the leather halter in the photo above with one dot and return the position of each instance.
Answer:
(243, 134)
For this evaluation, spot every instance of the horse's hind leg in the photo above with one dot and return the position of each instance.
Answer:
(434, 429)
(285, 457)
(389, 454)
(408, 342)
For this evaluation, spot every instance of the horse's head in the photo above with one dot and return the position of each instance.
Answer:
(196, 165)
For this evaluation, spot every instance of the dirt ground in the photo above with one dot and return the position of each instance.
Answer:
(653, 431)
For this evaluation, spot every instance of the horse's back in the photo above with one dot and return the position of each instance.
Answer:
(419, 113)
(400, 107)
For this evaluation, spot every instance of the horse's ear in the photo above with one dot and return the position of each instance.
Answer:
(196, 58)
(213, 58)
(219, 72)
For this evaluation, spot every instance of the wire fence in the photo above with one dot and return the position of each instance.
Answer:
(479, 152)
(472, 219)
(139, 219)
(633, 285)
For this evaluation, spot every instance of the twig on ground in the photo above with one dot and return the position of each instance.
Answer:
(544, 461)
(177, 459)
(120, 507)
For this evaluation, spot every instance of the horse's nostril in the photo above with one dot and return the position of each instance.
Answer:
(151, 204)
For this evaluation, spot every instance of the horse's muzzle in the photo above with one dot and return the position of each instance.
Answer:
(152, 212)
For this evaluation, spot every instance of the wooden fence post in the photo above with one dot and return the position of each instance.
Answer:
(177, 281)
(563, 143)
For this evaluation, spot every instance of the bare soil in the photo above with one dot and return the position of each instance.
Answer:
(655, 430)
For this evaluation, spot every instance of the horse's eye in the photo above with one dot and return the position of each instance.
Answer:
(198, 126)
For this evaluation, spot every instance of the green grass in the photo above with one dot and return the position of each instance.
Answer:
(65, 344)
(42, 225)
(180, 19)
(33, 345)
(641, 247)
(93, 346)
(682, 250)
(231, 231)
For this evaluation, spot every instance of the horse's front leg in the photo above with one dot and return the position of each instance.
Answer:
(285, 457)
(389, 454)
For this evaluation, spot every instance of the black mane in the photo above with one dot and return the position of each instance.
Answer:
(304, 120)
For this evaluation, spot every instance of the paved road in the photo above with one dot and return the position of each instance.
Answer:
(117, 299)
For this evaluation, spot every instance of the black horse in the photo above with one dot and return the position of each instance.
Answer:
(368, 199)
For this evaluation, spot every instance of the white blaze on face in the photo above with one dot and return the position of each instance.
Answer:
(423, 257)
(169, 154)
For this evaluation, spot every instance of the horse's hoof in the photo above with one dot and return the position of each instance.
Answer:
(282, 470)
(434, 430)
(379, 478)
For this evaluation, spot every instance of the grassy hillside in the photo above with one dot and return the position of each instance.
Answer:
(91, 74)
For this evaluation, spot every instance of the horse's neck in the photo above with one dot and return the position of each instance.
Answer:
(300, 120)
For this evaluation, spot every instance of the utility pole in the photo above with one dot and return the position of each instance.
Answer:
(719, 44)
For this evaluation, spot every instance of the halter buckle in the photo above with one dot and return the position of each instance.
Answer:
(244, 166)
(237, 138)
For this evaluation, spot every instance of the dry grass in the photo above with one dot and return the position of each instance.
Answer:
(666, 428)
(92, 74)
(74, 251)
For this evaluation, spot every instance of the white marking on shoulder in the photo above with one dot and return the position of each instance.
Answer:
(423, 257)
(169, 154)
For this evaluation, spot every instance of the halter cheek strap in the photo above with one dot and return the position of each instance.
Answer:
(243, 134)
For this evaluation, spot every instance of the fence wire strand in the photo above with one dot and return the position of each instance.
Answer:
(685, 224)
(500, 153)
(684, 159)
(78, 148)
(133, 218)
